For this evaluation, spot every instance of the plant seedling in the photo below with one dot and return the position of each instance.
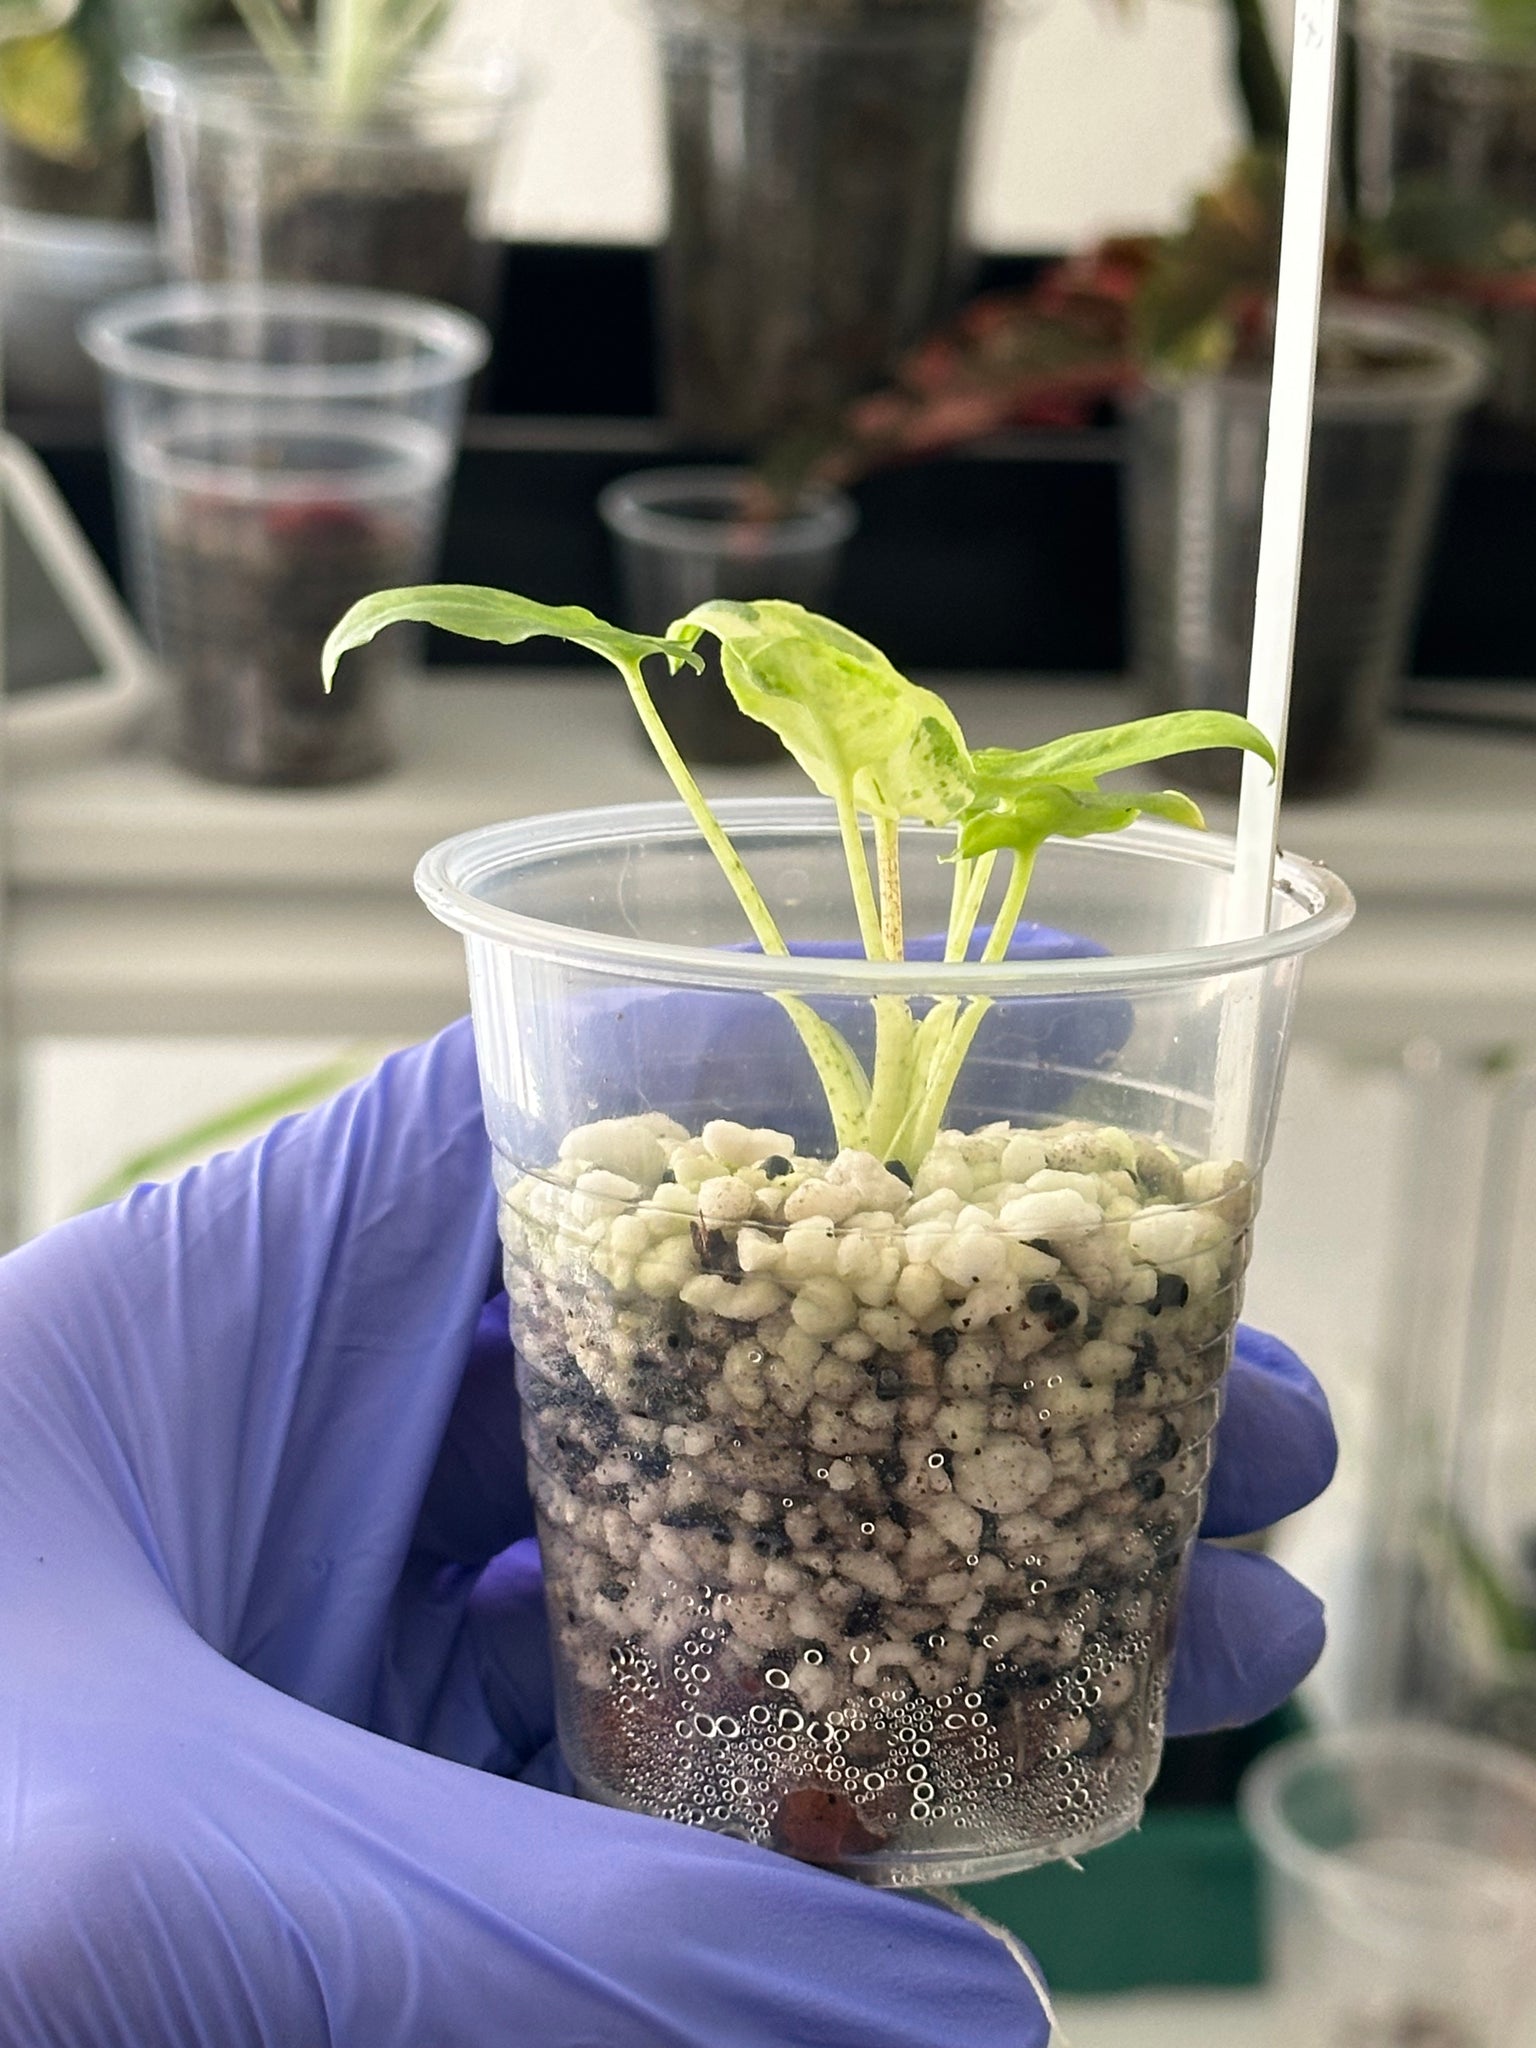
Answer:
(355, 51)
(885, 751)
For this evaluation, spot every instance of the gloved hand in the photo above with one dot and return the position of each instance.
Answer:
(269, 1606)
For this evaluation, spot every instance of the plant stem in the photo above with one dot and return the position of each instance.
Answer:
(734, 868)
(837, 1067)
(273, 35)
(870, 933)
(971, 879)
(407, 32)
(894, 1074)
(888, 868)
(1006, 922)
(951, 1039)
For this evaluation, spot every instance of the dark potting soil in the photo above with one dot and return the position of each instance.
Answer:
(246, 593)
(119, 189)
(414, 238)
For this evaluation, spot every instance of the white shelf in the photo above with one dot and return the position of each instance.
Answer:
(147, 901)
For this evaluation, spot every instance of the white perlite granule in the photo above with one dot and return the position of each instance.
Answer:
(863, 1501)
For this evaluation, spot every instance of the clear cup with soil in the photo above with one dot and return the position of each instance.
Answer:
(817, 156)
(256, 180)
(1399, 1861)
(278, 452)
(865, 1487)
(683, 535)
(1393, 388)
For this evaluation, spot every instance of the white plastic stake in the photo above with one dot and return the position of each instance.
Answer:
(1303, 232)
(1282, 519)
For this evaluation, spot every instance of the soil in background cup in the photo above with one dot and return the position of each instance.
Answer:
(278, 453)
(683, 536)
(1400, 1861)
(865, 1491)
(253, 184)
(1381, 444)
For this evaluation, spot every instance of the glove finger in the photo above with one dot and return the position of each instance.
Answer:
(272, 1345)
(1248, 1634)
(246, 1870)
(465, 1670)
(477, 1500)
(1275, 1444)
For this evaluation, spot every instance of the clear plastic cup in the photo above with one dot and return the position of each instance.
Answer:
(254, 182)
(1381, 448)
(864, 1526)
(685, 535)
(816, 161)
(1401, 1866)
(278, 453)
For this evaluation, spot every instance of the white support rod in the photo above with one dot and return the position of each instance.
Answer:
(1302, 243)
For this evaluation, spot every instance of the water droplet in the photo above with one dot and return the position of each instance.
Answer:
(756, 1357)
(858, 1654)
(989, 1642)
(936, 1460)
(813, 1656)
(791, 1719)
(776, 1678)
(1054, 1380)
(700, 1672)
(866, 1528)
(974, 1559)
(1037, 1585)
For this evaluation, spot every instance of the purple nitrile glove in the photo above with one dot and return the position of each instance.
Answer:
(269, 1606)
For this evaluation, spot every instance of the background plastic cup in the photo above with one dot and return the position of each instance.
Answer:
(1380, 449)
(816, 158)
(1401, 1866)
(685, 535)
(252, 183)
(278, 452)
(862, 1539)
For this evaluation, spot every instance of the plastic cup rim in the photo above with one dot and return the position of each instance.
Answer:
(1261, 1791)
(73, 237)
(459, 343)
(443, 871)
(635, 508)
(1452, 381)
(234, 83)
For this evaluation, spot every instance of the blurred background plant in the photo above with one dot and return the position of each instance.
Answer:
(71, 130)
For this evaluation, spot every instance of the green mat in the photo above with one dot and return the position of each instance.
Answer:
(1175, 1903)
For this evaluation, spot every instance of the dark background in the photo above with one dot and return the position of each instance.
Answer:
(1004, 558)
